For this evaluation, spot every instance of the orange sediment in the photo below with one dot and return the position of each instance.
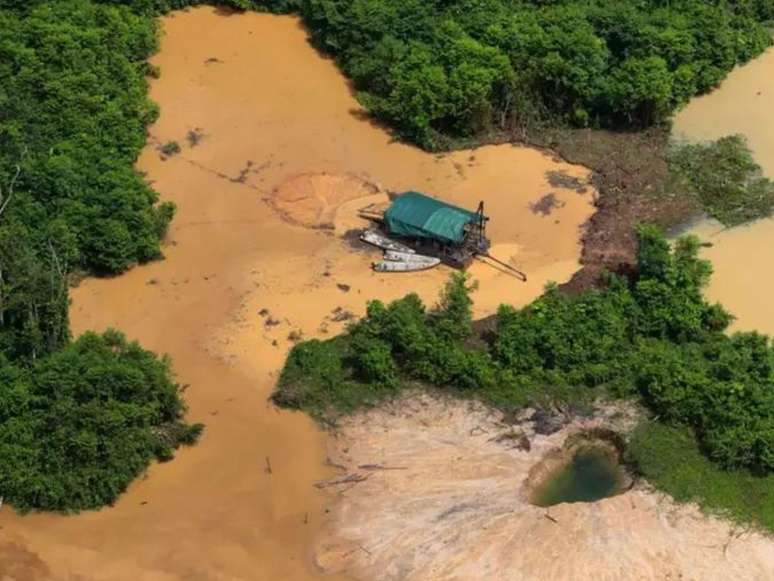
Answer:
(238, 281)
(742, 256)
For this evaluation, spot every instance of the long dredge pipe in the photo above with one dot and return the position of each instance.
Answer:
(513, 270)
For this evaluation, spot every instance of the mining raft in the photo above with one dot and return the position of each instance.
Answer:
(416, 227)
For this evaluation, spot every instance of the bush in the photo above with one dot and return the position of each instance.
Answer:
(654, 336)
(723, 178)
(372, 359)
(170, 148)
(80, 425)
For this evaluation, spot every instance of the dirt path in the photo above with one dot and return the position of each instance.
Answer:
(239, 279)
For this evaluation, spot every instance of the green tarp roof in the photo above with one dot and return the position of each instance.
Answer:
(420, 216)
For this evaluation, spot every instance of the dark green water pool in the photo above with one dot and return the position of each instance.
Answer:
(592, 474)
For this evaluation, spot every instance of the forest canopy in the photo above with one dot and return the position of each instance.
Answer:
(461, 67)
(78, 420)
(653, 337)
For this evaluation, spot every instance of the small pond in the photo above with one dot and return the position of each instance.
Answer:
(593, 473)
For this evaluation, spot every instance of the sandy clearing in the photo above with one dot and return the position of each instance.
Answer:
(453, 506)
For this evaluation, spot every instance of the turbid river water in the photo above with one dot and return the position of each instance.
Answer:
(276, 127)
(283, 148)
(743, 257)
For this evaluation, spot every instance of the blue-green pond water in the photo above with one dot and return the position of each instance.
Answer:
(592, 474)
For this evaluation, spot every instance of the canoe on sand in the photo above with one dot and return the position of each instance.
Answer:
(381, 241)
(406, 266)
(397, 256)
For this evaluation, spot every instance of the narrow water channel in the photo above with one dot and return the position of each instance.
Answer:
(742, 257)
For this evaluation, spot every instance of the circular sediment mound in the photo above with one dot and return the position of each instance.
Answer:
(312, 199)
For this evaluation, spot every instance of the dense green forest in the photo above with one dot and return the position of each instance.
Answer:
(76, 427)
(73, 117)
(458, 68)
(440, 70)
(653, 338)
(78, 421)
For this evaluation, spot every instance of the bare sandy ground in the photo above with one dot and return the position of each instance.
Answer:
(429, 492)
(240, 280)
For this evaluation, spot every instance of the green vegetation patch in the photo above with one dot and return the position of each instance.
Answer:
(652, 337)
(74, 112)
(170, 148)
(317, 379)
(723, 178)
(78, 426)
(670, 457)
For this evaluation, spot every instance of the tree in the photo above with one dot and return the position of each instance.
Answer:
(81, 424)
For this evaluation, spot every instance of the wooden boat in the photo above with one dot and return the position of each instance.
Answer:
(406, 266)
(398, 256)
(381, 241)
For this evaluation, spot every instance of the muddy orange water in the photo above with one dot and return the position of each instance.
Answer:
(283, 162)
(743, 257)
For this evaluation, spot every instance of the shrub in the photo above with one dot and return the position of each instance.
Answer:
(170, 148)
(723, 178)
(81, 424)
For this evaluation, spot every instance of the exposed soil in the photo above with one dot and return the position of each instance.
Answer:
(429, 488)
(629, 171)
(545, 205)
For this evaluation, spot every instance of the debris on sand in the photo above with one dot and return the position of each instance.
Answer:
(561, 179)
(194, 136)
(547, 204)
(354, 241)
(462, 490)
(339, 315)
